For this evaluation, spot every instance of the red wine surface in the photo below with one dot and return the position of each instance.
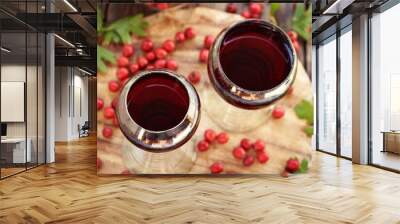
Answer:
(157, 102)
(255, 58)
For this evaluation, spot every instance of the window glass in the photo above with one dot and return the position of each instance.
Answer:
(327, 96)
(346, 94)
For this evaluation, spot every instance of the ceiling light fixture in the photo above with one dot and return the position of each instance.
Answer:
(84, 71)
(5, 49)
(70, 5)
(337, 7)
(64, 40)
(329, 9)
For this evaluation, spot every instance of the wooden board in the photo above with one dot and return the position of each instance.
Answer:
(284, 137)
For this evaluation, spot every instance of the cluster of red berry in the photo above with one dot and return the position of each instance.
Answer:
(254, 10)
(160, 6)
(247, 152)
(194, 76)
(150, 58)
(294, 38)
(210, 137)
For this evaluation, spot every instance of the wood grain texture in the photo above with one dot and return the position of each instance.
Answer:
(284, 138)
(69, 191)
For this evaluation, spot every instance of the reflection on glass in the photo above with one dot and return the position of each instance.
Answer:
(346, 94)
(41, 99)
(327, 96)
(31, 97)
(13, 84)
(385, 86)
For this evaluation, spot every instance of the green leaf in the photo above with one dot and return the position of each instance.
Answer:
(304, 110)
(309, 130)
(303, 166)
(274, 7)
(103, 56)
(100, 20)
(302, 21)
(121, 30)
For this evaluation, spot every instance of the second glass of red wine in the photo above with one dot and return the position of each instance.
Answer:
(158, 112)
(252, 64)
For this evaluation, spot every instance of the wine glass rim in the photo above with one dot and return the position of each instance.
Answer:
(219, 40)
(123, 114)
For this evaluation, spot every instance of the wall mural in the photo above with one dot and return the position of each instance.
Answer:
(204, 89)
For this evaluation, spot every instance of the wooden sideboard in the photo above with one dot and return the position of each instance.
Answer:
(391, 141)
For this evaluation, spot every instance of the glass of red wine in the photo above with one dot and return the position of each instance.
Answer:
(252, 64)
(158, 111)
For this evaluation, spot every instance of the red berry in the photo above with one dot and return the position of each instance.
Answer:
(115, 122)
(133, 68)
(100, 104)
(125, 172)
(202, 146)
(113, 86)
(190, 33)
(259, 145)
(109, 113)
(168, 45)
(278, 112)
(142, 62)
(285, 174)
(217, 167)
(208, 41)
(172, 65)
(107, 132)
(194, 77)
(210, 135)
(239, 152)
(123, 61)
(231, 7)
(122, 73)
(128, 50)
(114, 102)
(255, 16)
(248, 160)
(99, 163)
(162, 6)
(123, 82)
(203, 56)
(255, 8)
(149, 67)
(290, 90)
(147, 45)
(160, 53)
(245, 144)
(296, 46)
(246, 14)
(292, 35)
(180, 37)
(262, 157)
(292, 165)
(160, 63)
(151, 56)
(222, 138)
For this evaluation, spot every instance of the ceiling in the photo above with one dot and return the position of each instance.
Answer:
(331, 15)
(72, 20)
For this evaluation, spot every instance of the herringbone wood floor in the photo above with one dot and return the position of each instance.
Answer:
(69, 191)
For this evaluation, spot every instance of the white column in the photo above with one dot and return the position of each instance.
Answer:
(50, 92)
(360, 90)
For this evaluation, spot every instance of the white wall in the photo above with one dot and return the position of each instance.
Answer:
(70, 83)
